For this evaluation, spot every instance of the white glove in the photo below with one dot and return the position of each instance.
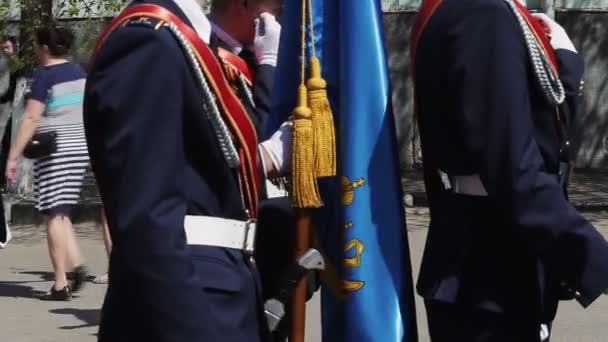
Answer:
(266, 40)
(559, 37)
(544, 332)
(278, 148)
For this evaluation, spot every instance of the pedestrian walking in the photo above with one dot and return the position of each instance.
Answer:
(52, 134)
(8, 45)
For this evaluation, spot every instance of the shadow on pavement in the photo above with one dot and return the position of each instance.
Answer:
(46, 276)
(50, 276)
(90, 317)
(18, 290)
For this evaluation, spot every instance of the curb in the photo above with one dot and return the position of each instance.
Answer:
(584, 206)
(419, 199)
(24, 213)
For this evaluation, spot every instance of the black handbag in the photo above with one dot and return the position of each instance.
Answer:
(41, 145)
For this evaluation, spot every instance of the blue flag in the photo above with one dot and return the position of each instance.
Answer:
(363, 224)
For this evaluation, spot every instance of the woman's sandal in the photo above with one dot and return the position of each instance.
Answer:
(63, 295)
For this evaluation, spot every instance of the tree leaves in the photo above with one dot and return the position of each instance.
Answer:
(39, 13)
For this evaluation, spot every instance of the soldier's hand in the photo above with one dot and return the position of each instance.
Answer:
(559, 37)
(277, 151)
(266, 41)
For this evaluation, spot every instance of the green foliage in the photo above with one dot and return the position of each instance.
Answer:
(5, 8)
(40, 13)
(87, 8)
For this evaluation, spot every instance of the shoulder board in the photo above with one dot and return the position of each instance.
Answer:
(152, 23)
(235, 66)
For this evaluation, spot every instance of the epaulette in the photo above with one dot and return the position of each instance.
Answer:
(152, 23)
(235, 66)
(232, 73)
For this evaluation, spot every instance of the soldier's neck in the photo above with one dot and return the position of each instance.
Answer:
(229, 26)
(54, 61)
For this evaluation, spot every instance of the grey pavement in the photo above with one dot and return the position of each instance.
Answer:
(24, 269)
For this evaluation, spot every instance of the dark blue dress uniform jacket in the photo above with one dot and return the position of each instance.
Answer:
(275, 240)
(260, 88)
(481, 112)
(157, 159)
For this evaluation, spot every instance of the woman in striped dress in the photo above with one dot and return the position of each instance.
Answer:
(54, 103)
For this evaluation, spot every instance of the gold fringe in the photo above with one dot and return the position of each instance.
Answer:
(322, 122)
(305, 192)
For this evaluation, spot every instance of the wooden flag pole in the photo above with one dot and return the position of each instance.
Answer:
(313, 155)
(305, 193)
(298, 309)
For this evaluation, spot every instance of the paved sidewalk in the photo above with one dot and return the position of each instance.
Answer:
(24, 271)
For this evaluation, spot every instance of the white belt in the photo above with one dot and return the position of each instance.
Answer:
(220, 232)
(464, 185)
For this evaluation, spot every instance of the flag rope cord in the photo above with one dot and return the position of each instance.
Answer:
(303, 45)
(312, 29)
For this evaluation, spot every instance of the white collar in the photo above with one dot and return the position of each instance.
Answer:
(234, 45)
(194, 13)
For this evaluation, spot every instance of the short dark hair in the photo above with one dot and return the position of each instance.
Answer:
(219, 6)
(11, 39)
(58, 39)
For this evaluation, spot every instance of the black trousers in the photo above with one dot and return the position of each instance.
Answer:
(456, 323)
(4, 149)
(274, 257)
(3, 231)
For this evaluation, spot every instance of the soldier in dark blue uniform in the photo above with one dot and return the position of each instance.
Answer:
(246, 33)
(504, 245)
(240, 46)
(177, 206)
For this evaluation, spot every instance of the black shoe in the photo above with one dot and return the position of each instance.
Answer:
(63, 295)
(81, 273)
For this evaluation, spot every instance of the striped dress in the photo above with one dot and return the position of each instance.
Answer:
(58, 178)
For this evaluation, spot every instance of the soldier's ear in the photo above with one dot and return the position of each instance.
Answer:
(45, 49)
(241, 7)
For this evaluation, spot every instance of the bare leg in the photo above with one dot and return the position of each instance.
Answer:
(73, 250)
(74, 258)
(107, 240)
(57, 243)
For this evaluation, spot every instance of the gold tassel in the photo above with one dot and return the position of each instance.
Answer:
(305, 192)
(322, 122)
